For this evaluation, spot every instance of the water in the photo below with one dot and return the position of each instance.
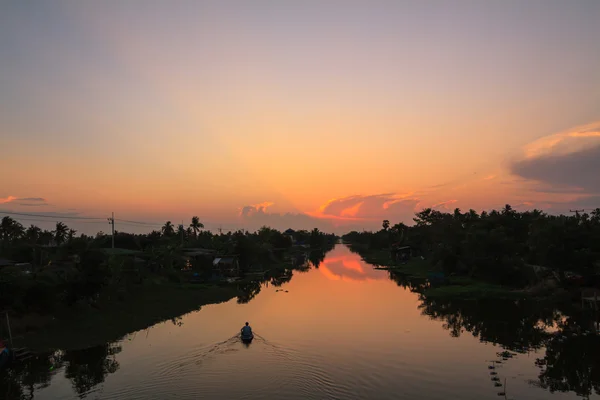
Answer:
(340, 331)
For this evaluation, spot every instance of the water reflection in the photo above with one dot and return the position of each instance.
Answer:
(249, 291)
(86, 369)
(351, 323)
(21, 381)
(341, 264)
(519, 326)
(572, 359)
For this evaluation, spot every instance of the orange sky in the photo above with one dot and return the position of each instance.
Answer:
(295, 117)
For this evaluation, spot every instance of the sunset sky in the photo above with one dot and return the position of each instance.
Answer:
(331, 113)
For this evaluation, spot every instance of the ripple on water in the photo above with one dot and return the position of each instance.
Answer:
(230, 369)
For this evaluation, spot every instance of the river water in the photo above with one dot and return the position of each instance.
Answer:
(343, 330)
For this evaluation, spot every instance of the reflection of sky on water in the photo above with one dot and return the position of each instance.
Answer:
(342, 264)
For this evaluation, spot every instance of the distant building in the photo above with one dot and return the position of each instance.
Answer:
(226, 266)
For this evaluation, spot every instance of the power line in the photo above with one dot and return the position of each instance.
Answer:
(138, 222)
(49, 216)
(139, 225)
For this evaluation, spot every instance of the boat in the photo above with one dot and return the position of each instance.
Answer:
(5, 357)
(247, 339)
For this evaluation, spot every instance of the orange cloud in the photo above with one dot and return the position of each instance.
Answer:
(8, 199)
(444, 204)
(573, 140)
(320, 215)
(368, 207)
(489, 178)
(255, 208)
(351, 211)
(28, 200)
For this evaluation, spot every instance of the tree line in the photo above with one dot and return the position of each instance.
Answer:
(70, 268)
(499, 246)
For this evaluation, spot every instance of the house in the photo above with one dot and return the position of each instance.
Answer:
(401, 254)
(197, 258)
(197, 252)
(226, 267)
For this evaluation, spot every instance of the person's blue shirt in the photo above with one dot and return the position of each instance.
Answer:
(247, 331)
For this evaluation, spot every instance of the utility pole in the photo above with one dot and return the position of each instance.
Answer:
(9, 332)
(182, 231)
(220, 230)
(111, 222)
(576, 212)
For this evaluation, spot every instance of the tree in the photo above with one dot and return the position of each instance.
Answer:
(10, 230)
(180, 230)
(168, 229)
(386, 225)
(196, 225)
(60, 233)
(70, 234)
(33, 234)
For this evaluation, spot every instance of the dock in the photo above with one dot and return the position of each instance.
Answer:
(21, 354)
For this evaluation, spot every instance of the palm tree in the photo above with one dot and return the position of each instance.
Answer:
(33, 233)
(10, 229)
(60, 233)
(168, 229)
(46, 237)
(196, 225)
(71, 234)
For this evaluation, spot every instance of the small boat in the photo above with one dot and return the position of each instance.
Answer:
(5, 357)
(247, 339)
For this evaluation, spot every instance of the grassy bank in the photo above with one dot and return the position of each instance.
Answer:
(114, 316)
(466, 288)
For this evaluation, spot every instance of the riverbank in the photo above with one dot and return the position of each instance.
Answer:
(114, 316)
(420, 269)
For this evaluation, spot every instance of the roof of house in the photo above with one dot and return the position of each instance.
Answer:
(4, 262)
(223, 260)
(197, 251)
(121, 252)
(289, 231)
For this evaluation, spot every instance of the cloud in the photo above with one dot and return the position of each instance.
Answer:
(444, 204)
(367, 207)
(45, 213)
(282, 221)
(8, 199)
(336, 215)
(568, 160)
(255, 208)
(29, 201)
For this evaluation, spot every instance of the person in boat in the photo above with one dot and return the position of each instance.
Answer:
(247, 331)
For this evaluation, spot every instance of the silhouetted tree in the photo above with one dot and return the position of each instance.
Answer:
(60, 233)
(168, 229)
(196, 225)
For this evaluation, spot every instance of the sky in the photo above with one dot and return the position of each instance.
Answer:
(334, 114)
